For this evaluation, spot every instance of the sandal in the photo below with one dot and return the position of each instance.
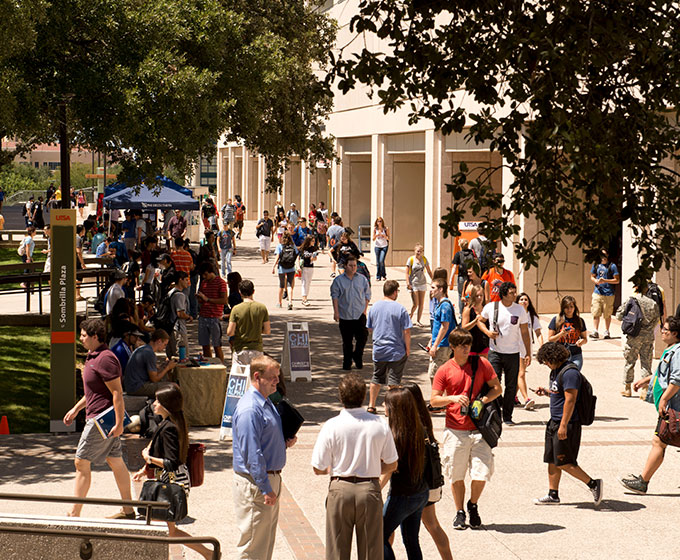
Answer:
(372, 410)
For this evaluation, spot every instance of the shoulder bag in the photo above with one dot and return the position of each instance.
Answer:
(433, 465)
(669, 428)
(158, 491)
(490, 422)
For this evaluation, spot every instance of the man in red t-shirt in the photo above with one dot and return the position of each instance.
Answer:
(496, 275)
(212, 296)
(463, 444)
(103, 388)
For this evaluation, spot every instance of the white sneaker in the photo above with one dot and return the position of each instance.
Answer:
(529, 405)
(546, 500)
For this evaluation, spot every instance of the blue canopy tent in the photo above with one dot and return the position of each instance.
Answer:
(141, 197)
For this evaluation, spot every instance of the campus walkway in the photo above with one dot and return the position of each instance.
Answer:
(625, 526)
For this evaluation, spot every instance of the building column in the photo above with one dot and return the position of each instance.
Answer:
(433, 185)
(304, 189)
(508, 250)
(244, 177)
(377, 183)
(230, 172)
(335, 205)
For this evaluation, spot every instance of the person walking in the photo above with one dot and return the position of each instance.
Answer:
(663, 391)
(344, 249)
(416, 282)
(212, 296)
(496, 275)
(390, 324)
(293, 215)
(102, 383)
(334, 232)
(259, 451)
(264, 231)
(239, 216)
(167, 453)
(308, 253)
(228, 212)
(442, 323)
(508, 329)
(563, 432)
(408, 494)
(321, 228)
(475, 279)
(459, 271)
(464, 448)
(536, 338)
(227, 244)
(351, 295)
(286, 255)
(381, 240)
(354, 448)
(569, 329)
(605, 276)
(82, 202)
(248, 321)
(177, 227)
(472, 316)
(642, 344)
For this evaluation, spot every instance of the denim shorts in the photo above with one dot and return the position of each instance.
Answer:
(209, 331)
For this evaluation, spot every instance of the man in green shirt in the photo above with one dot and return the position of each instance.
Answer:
(248, 321)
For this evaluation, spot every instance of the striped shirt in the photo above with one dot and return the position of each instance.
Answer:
(213, 289)
(182, 260)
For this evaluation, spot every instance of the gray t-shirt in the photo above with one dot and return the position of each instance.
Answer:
(334, 232)
(178, 302)
(142, 361)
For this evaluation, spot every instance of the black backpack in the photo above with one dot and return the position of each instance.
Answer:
(632, 318)
(288, 256)
(586, 400)
(165, 318)
(490, 421)
(654, 292)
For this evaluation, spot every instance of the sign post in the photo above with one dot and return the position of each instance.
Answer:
(239, 380)
(297, 361)
(62, 317)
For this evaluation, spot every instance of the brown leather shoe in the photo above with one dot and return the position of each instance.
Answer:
(122, 515)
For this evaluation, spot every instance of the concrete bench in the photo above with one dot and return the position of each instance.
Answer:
(19, 546)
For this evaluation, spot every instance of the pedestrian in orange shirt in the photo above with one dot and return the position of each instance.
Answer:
(496, 275)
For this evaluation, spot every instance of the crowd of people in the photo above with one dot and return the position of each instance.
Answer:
(479, 350)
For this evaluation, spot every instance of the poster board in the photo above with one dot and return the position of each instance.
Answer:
(237, 385)
(297, 361)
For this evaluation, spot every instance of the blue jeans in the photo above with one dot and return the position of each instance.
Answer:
(380, 253)
(225, 262)
(577, 360)
(405, 511)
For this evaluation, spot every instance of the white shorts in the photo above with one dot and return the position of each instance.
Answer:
(465, 450)
(265, 242)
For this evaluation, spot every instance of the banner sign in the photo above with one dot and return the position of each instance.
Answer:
(297, 361)
(239, 380)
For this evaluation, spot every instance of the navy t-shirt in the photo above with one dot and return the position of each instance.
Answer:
(574, 328)
(571, 379)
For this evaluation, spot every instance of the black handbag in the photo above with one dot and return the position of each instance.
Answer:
(433, 465)
(291, 419)
(157, 491)
(490, 421)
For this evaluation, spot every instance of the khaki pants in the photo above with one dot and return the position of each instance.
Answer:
(256, 521)
(354, 507)
(442, 355)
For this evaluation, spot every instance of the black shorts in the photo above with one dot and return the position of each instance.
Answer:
(286, 278)
(562, 452)
(238, 224)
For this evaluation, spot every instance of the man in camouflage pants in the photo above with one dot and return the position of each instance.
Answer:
(643, 344)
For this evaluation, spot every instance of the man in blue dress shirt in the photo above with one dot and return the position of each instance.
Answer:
(259, 456)
(351, 295)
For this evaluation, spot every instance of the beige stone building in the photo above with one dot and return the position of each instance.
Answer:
(387, 167)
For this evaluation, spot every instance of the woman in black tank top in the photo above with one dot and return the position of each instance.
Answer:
(471, 317)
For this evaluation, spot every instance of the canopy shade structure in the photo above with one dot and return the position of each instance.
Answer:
(141, 197)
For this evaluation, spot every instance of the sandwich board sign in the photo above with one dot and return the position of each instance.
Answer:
(297, 361)
(239, 380)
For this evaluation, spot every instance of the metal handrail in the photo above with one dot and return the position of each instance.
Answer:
(92, 501)
(86, 547)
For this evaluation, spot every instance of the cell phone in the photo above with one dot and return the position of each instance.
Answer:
(423, 347)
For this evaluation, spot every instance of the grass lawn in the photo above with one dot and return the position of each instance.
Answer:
(25, 378)
(9, 255)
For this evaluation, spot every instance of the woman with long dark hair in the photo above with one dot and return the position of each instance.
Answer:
(308, 253)
(570, 330)
(429, 515)
(167, 452)
(536, 341)
(381, 238)
(408, 490)
(472, 316)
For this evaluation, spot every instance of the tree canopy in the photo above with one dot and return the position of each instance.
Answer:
(157, 83)
(579, 97)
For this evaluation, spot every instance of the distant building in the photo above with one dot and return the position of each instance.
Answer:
(46, 155)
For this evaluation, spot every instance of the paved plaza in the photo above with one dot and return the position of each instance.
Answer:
(625, 526)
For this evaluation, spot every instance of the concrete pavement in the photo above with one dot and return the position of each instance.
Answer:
(624, 526)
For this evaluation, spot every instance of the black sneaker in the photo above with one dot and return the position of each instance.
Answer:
(635, 484)
(285, 294)
(459, 521)
(475, 520)
(597, 491)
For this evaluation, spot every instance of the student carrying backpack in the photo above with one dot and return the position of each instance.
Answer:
(288, 256)
(585, 400)
(655, 292)
(165, 318)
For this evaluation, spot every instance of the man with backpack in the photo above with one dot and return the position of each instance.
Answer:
(228, 212)
(639, 316)
(604, 275)
(442, 323)
(572, 405)
(508, 328)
